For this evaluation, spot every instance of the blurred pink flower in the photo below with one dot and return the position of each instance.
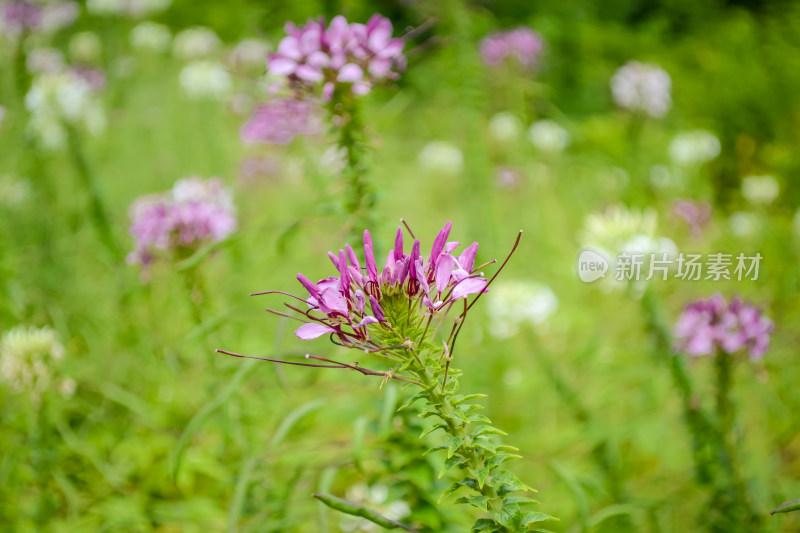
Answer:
(522, 44)
(280, 121)
(710, 325)
(696, 214)
(341, 53)
(195, 211)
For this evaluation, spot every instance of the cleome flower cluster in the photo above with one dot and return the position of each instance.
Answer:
(522, 44)
(341, 53)
(346, 305)
(194, 212)
(707, 326)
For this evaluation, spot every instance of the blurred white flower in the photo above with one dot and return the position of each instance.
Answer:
(85, 47)
(513, 303)
(760, 189)
(45, 61)
(206, 79)
(13, 191)
(195, 43)
(2, 114)
(660, 176)
(620, 229)
(548, 136)
(250, 54)
(743, 224)
(27, 355)
(374, 497)
(151, 37)
(59, 14)
(505, 127)
(694, 147)
(642, 87)
(55, 99)
(132, 8)
(333, 160)
(441, 157)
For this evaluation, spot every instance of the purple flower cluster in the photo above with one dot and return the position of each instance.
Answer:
(195, 211)
(522, 44)
(279, 121)
(18, 16)
(356, 55)
(347, 304)
(710, 325)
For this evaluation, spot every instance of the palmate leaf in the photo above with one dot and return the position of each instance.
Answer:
(356, 509)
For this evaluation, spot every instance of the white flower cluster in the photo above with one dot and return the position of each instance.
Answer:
(441, 157)
(59, 99)
(27, 357)
(513, 303)
(694, 147)
(131, 8)
(151, 37)
(545, 135)
(760, 189)
(195, 43)
(206, 79)
(642, 87)
(620, 229)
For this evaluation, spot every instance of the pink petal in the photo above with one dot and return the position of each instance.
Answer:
(307, 332)
(350, 73)
(469, 286)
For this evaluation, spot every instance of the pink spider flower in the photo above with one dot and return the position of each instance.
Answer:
(713, 324)
(194, 212)
(339, 54)
(363, 300)
(522, 44)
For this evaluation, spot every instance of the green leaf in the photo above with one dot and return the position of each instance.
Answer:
(450, 463)
(480, 474)
(536, 518)
(430, 430)
(476, 500)
(508, 483)
(485, 524)
(488, 430)
(410, 401)
(509, 516)
(434, 449)
(455, 400)
(520, 500)
(359, 510)
(500, 458)
(466, 482)
(787, 507)
(453, 444)
(479, 418)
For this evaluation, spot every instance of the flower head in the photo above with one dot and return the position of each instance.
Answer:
(280, 121)
(345, 54)
(348, 305)
(150, 36)
(522, 45)
(714, 324)
(760, 189)
(72, 97)
(27, 355)
(195, 43)
(514, 303)
(694, 147)
(548, 136)
(194, 212)
(205, 79)
(642, 87)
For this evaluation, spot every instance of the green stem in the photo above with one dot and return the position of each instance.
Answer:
(96, 204)
(359, 197)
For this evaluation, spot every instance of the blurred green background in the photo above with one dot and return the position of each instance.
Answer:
(163, 434)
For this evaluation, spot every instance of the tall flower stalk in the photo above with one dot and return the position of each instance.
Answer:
(722, 330)
(338, 63)
(400, 314)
